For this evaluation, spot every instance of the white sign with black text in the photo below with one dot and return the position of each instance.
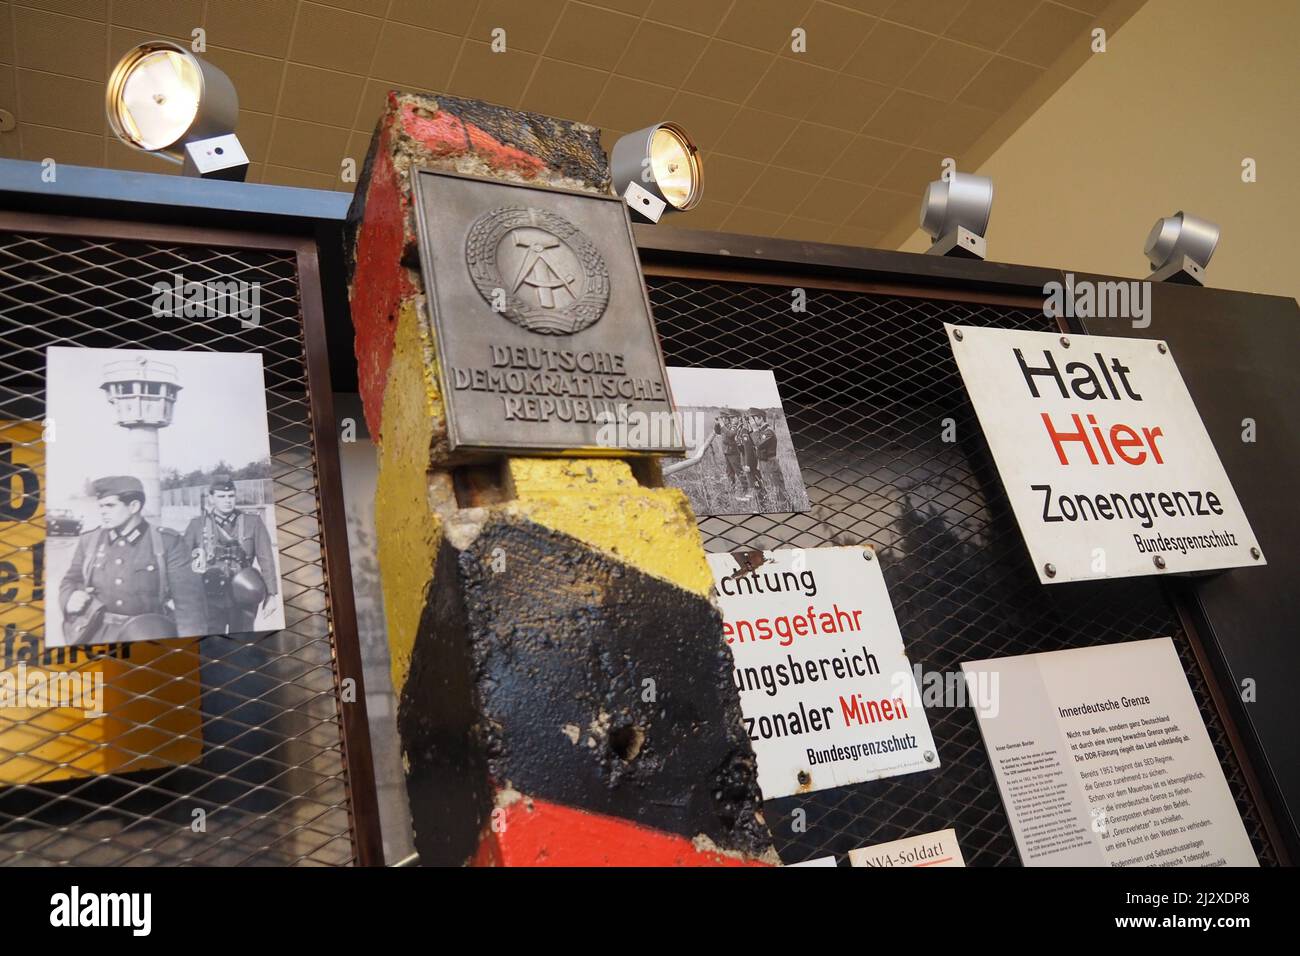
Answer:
(929, 849)
(1105, 459)
(1102, 759)
(827, 693)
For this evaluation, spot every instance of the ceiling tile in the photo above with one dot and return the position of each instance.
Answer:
(999, 84)
(1047, 33)
(254, 26)
(374, 99)
(634, 7)
(254, 131)
(833, 33)
(445, 16)
(779, 190)
(61, 145)
(726, 71)
(855, 236)
(756, 135)
(933, 16)
(321, 96)
(591, 37)
(882, 210)
(904, 117)
(415, 58)
(496, 77)
(873, 7)
(866, 160)
(528, 25)
(661, 54)
(889, 52)
(559, 89)
(77, 104)
(336, 39)
(989, 23)
(286, 176)
(59, 44)
(956, 129)
(175, 18)
(805, 230)
(608, 137)
(708, 215)
(6, 34)
(8, 88)
(751, 221)
(911, 174)
(86, 9)
(945, 69)
(789, 86)
(308, 146)
(727, 178)
(764, 24)
(831, 200)
(629, 104)
(703, 117)
(702, 16)
(375, 8)
(855, 101)
(812, 148)
(256, 78)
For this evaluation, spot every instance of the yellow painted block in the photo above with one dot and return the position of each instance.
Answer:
(599, 502)
(406, 526)
(149, 692)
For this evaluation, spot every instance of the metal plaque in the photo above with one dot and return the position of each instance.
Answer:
(544, 337)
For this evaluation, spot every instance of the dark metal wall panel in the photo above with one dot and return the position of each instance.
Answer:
(1238, 354)
(867, 381)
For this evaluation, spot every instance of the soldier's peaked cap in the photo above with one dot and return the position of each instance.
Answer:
(117, 485)
(221, 483)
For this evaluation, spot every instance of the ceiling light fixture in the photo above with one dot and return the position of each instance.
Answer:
(162, 99)
(955, 212)
(1179, 248)
(657, 170)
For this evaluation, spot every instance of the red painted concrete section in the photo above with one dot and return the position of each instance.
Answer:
(533, 832)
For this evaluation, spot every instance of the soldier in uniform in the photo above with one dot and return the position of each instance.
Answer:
(138, 576)
(731, 452)
(224, 542)
(749, 462)
(769, 465)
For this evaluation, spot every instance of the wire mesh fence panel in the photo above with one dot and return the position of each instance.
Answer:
(870, 388)
(223, 749)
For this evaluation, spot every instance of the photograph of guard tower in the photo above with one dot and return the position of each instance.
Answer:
(165, 459)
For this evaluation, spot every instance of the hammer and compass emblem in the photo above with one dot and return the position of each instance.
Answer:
(537, 269)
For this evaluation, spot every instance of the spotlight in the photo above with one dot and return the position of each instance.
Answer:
(956, 215)
(1179, 248)
(164, 100)
(657, 170)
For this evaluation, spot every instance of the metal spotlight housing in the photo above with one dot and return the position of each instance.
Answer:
(955, 213)
(162, 99)
(657, 170)
(1179, 248)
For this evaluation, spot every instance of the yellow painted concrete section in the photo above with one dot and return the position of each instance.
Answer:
(408, 529)
(599, 502)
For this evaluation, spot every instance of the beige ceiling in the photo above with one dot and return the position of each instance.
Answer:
(833, 144)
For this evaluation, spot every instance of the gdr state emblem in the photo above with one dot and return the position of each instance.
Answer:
(537, 269)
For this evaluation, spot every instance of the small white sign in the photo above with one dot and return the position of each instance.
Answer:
(826, 690)
(1102, 759)
(929, 849)
(1106, 462)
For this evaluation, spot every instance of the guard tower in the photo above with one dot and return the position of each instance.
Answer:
(143, 395)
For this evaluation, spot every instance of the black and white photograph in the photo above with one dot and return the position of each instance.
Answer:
(162, 463)
(741, 459)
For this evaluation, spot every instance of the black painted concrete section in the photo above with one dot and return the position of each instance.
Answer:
(563, 643)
